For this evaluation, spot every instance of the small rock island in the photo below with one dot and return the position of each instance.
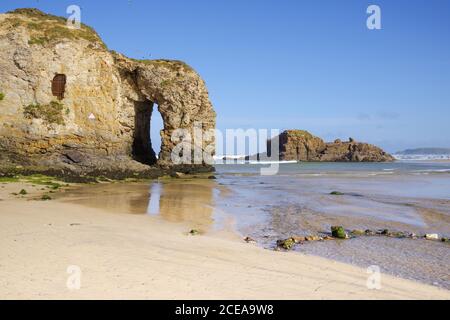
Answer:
(301, 145)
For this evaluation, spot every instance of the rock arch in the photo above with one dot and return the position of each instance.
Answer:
(108, 100)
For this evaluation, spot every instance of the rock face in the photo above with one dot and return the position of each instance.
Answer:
(302, 146)
(103, 119)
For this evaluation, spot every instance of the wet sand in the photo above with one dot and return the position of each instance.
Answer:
(410, 198)
(147, 256)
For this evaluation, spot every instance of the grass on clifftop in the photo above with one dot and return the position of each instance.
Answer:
(173, 65)
(45, 28)
(2, 96)
(51, 113)
(299, 133)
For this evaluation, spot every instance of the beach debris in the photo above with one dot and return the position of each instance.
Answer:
(432, 236)
(46, 197)
(249, 240)
(194, 232)
(23, 192)
(286, 244)
(75, 224)
(445, 239)
(336, 193)
(338, 232)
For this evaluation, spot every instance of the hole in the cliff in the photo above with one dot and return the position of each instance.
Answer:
(156, 125)
(147, 140)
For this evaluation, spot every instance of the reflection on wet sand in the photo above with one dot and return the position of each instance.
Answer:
(183, 202)
(176, 201)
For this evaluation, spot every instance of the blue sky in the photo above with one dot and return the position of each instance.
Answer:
(297, 64)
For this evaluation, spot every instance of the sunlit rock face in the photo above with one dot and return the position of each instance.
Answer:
(101, 120)
(303, 146)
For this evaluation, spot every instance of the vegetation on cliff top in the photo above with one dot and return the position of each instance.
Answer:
(45, 28)
(2, 96)
(172, 65)
(299, 133)
(51, 113)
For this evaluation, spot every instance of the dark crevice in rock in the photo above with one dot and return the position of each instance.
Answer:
(142, 145)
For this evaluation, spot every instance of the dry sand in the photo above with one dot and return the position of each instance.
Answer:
(124, 256)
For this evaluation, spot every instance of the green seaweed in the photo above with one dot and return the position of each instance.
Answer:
(9, 179)
(46, 197)
(338, 232)
(51, 113)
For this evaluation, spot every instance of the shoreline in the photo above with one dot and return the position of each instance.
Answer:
(126, 256)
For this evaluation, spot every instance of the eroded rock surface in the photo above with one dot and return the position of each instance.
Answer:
(302, 146)
(103, 121)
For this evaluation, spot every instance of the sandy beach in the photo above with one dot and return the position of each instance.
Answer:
(126, 256)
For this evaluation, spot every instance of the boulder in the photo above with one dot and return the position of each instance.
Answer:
(338, 232)
(286, 244)
(432, 236)
(357, 233)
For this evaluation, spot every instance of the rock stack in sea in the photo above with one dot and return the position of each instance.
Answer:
(301, 145)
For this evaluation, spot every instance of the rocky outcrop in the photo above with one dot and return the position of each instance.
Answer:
(302, 146)
(103, 120)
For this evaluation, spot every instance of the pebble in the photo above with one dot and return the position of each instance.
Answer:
(432, 236)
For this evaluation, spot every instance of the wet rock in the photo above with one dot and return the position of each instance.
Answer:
(369, 232)
(336, 193)
(397, 234)
(338, 232)
(46, 197)
(212, 177)
(328, 238)
(194, 232)
(412, 236)
(177, 175)
(23, 192)
(432, 236)
(249, 240)
(286, 244)
(357, 232)
(298, 239)
(445, 239)
(383, 232)
(313, 238)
